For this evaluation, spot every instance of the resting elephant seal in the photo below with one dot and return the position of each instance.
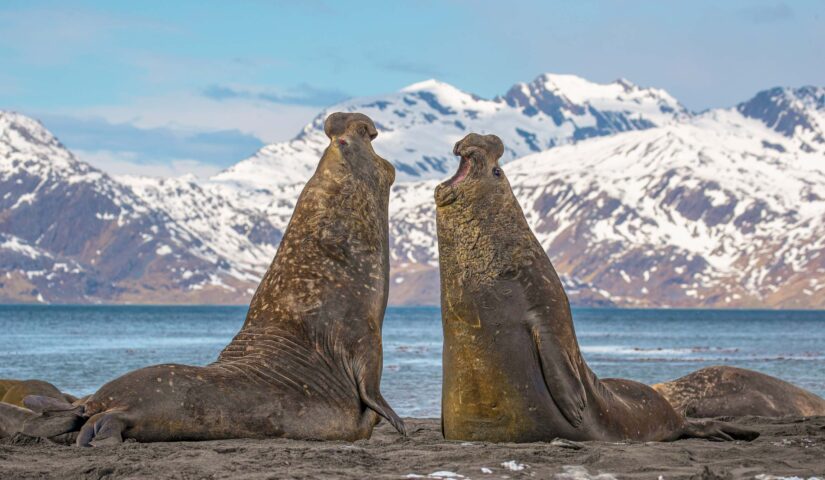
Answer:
(729, 391)
(307, 361)
(13, 391)
(512, 367)
(16, 416)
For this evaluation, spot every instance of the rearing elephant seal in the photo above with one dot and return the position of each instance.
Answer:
(307, 361)
(512, 367)
(729, 391)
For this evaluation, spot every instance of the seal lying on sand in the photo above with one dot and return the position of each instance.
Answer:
(13, 391)
(512, 367)
(40, 416)
(307, 362)
(37, 408)
(729, 391)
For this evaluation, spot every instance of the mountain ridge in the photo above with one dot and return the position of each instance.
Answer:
(638, 201)
(432, 115)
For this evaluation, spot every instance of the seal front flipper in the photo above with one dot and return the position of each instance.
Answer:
(561, 375)
(373, 399)
(42, 404)
(51, 417)
(717, 431)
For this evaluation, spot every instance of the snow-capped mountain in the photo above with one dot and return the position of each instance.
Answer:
(796, 113)
(71, 233)
(718, 211)
(419, 125)
(637, 201)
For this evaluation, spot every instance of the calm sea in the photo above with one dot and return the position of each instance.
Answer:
(78, 348)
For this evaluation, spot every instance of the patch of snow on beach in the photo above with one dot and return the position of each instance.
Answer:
(577, 472)
(514, 466)
(438, 474)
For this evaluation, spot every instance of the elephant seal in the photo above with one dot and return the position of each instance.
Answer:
(513, 371)
(729, 391)
(55, 419)
(36, 408)
(307, 362)
(13, 391)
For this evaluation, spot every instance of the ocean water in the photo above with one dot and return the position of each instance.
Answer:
(78, 348)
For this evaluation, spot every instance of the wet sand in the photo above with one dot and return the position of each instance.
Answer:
(787, 447)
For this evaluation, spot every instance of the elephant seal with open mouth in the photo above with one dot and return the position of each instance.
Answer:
(307, 361)
(513, 371)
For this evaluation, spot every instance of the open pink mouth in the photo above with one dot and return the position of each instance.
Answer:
(445, 194)
(461, 174)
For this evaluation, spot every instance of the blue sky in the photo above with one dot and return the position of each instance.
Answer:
(167, 88)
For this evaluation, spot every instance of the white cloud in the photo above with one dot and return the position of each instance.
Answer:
(180, 123)
(265, 120)
(126, 163)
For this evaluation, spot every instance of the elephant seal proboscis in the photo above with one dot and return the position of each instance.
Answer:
(513, 371)
(307, 362)
(722, 391)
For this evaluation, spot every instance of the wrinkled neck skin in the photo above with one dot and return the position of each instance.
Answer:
(332, 265)
(494, 270)
(483, 243)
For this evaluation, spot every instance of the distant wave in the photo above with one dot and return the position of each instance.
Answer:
(656, 351)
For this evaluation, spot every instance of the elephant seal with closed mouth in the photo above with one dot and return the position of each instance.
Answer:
(14, 391)
(513, 371)
(730, 391)
(22, 405)
(307, 362)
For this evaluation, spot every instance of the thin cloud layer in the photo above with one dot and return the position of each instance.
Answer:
(301, 95)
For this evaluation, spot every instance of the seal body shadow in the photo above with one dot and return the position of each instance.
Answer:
(307, 362)
(513, 371)
(730, 391)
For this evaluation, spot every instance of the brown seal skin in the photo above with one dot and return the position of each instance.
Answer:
(307, 362)
(729, 391)
(13, 391)
(512, 367)
(16, 416)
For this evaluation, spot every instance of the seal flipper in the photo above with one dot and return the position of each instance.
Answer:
(12, 418)
(105, 428)
(717, 431)
(561, 376)
(51, 416)
(375, 401)
(42, 404)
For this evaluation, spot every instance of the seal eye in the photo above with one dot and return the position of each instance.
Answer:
(362, 130)
(496, 171)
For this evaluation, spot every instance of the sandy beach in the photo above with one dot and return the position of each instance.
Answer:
(788, 447)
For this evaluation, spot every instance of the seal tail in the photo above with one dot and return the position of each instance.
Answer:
(717, 431)
(105, 428)
(380, 406)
